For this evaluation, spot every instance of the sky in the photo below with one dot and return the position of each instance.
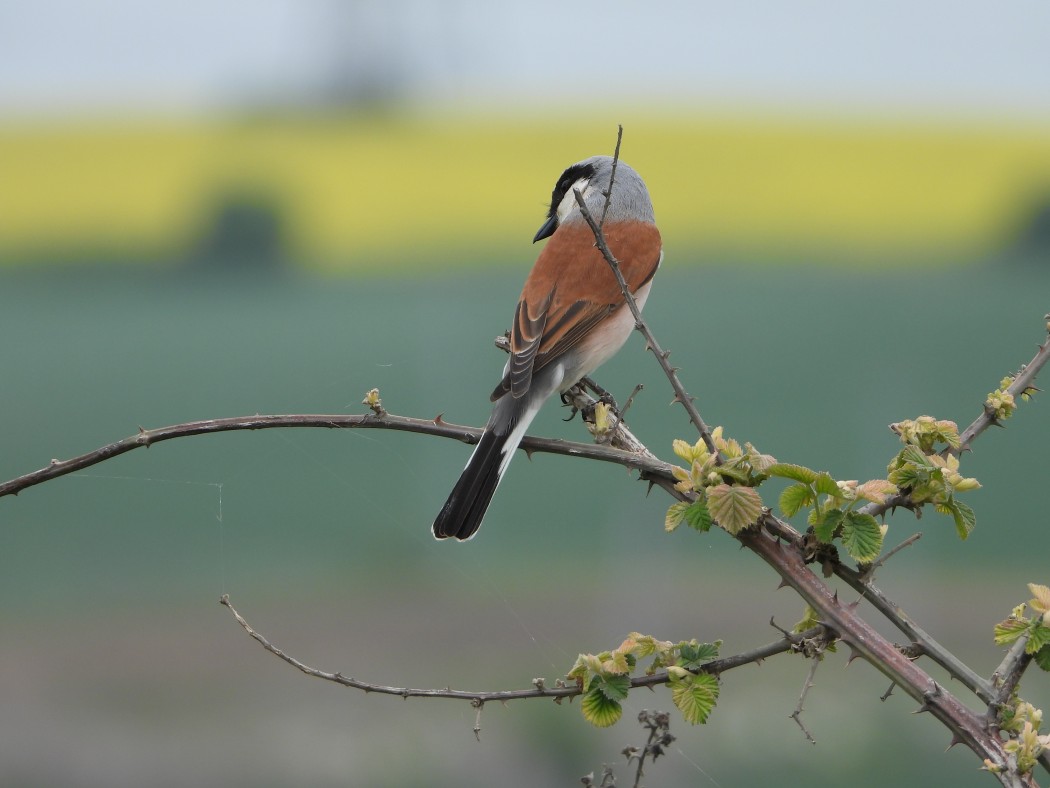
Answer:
(70, 57)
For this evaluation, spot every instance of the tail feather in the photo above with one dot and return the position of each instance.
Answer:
(462, 513)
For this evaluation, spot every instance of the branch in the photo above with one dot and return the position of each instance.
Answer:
(647, 464)
(807, 685)
(966, 727)
(1023, 381)
(893, 613)
(680, 394)
(539, 689)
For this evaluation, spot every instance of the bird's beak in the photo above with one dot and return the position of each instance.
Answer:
(547, 230)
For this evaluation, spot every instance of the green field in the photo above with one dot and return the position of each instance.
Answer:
(375, 192)
(118, 667)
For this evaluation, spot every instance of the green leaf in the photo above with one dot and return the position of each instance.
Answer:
(787, 470)
(599, 710)
(693, 655)
(861, 536)
(613, 687)
(732, 469)
(735, 508)
(1009, 630)
(1042, 658)
(695, 697)
(964, 517)
(675, 515)
(698, 516)
(795, 498)
(825, 529)
(1039, 638)
(916, 455)
(825, 485)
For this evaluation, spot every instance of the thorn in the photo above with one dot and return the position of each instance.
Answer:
(853, 605)
(440, 418)
(925, 707)
(528, 453)
(888, 692)
(666, 354)
(835, 597)
(782, 584)
(955, 740)
(649, 489)
(853, 654)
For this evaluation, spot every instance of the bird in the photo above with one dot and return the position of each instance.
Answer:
(571, 317)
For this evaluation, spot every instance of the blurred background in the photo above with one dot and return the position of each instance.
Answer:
(220, 209)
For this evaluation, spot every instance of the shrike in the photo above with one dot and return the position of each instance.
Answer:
(571, 318)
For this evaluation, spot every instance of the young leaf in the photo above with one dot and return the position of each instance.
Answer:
(825, 529)
(1039, 637)
(795, 498)
(675, 515)
(1042, 658)
(600, 710)
(612, 687)
(876, 490)
(735, 508)
(693, 655)
(825, 485)
(698, 516)
(1041, 597)
(861, 536)
(965, 519)
(1009, 630)
(787, 470)
(695, 696)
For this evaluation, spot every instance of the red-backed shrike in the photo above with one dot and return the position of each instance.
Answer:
(570, 319)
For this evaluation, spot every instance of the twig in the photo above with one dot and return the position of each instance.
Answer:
(630, 400)
(796, 715)
(539, 688)
(1006, 678)
(1023, 381)
(612, 175)
(660, 737)
(958, 669)
(646, 463)
(866, 642)
(869, 573)
(681, 395)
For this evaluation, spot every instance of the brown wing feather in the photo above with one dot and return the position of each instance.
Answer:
(574, 290)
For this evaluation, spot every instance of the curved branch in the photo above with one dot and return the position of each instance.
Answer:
(650, 467)
(539, 689)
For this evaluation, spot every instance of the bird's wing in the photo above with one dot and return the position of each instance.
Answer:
(570, 291)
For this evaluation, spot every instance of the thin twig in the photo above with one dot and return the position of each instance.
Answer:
(681, 395)
(869, 573)
(612, 175)
(796, 715)
(539, 688)
(958, 669)
(1023, 381)
(1007, 676)
(630, 400)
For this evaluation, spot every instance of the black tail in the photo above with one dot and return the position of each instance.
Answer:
(463, 511)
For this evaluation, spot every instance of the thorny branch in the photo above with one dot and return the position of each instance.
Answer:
(539, 689)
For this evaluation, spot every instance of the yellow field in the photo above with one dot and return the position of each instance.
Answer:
(373, 191)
